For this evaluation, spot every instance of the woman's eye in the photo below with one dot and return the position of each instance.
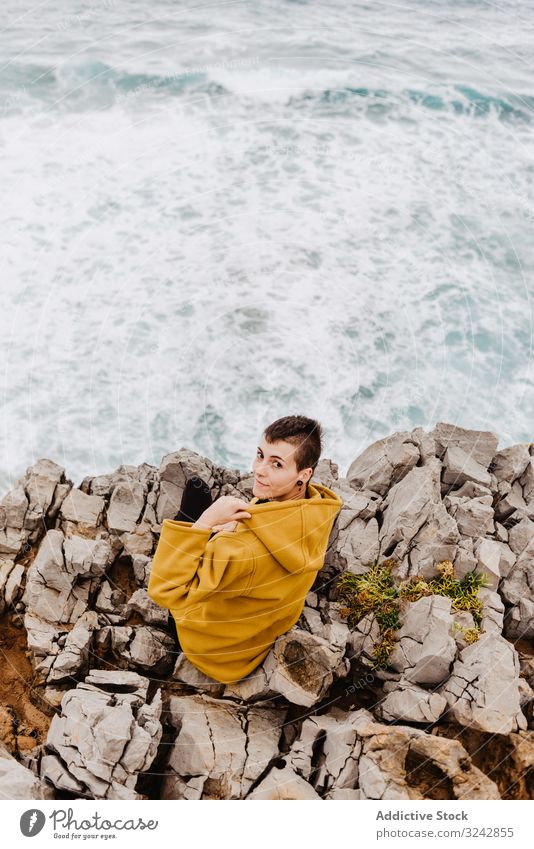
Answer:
(258, 454)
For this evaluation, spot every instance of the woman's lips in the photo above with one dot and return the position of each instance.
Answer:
(259, 482)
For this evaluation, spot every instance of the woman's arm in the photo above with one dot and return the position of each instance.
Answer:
(184, 573)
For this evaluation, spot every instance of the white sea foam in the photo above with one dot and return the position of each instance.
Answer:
(217, 217)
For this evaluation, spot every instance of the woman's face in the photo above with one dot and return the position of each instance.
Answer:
(275, 471)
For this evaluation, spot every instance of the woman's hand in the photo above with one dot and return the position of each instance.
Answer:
(226, 509)
(228, 526)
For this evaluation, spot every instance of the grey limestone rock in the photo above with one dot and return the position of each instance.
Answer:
(474, 516)
(82, 508)
(460, 467)
(418, 498)
(75, 654)
(11, 577)
(489, 554)
(283, 783)
(511, 505)
(63, 575)
(409, 702)
(36, 497)
(480, 445)
(492, 611)
(125, 506)
(384, 463)
(142, 648)
(483, 689)
(223, 745)
(519, 583)
(527, 481)
(519, 621)
(407, 507)
(352, 751)
(141, 603)
(364, 639)
(435, 541)
(358, 544)
(19, 782)
(520, 535)
(187, 673)
(106, 735)
(425, 649)
(302, 666)
(510, 463)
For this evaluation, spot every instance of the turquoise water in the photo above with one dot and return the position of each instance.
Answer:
(215, 216)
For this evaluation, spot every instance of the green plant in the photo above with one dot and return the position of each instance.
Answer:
(463, 592)
(376, 592)
(470, 634)
(373, 592)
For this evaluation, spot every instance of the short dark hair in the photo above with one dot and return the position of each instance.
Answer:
(304, 433)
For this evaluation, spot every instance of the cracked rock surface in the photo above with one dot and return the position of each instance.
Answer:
(103, 737)
(425, 648)
(221, 747)
(483, 690)
(126, 715)
(339, 752)
(19, 782)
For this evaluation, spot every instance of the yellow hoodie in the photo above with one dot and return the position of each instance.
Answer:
(233, 594)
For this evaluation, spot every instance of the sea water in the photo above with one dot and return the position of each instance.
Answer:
(214, 214)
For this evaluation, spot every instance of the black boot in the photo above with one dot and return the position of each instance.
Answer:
(195, 499)
(171, 628)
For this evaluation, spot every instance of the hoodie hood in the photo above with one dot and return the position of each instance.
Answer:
(296, 532)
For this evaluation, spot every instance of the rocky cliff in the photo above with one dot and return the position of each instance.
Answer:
(97, 703)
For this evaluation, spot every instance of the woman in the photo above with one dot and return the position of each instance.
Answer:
(235, 573)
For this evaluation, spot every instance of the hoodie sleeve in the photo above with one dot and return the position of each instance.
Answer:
(184, 573)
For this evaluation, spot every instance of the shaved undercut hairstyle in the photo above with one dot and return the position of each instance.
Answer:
(304, 433)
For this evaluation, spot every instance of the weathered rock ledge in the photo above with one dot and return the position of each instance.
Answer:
(97, 704)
